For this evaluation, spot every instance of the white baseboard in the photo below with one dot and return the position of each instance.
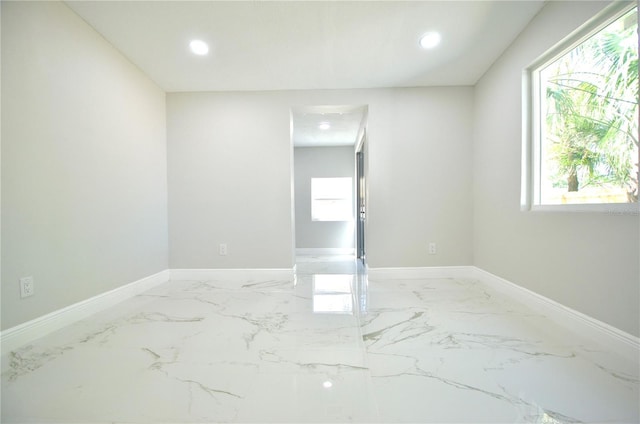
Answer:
(324, 251)
(233, 274)
(617, 340)
(27, 332)
(421, 272)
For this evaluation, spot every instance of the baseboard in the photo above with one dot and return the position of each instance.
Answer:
(324, 251)
(233, 274)
(421, 272)
(27, 332)
(619, 341)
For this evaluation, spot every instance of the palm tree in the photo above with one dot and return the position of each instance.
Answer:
(592, 110)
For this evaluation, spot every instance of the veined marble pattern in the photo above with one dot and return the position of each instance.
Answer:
(327, 347)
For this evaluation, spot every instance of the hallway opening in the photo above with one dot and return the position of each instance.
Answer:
(326, 142)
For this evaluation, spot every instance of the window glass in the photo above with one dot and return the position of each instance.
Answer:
(586, 148)
(332, 199)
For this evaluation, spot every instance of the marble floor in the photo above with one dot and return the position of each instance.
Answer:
(331, 346)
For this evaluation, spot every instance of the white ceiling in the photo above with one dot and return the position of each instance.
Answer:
(285, 45)
(281, 45)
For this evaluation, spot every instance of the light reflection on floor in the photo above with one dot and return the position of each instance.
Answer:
(333, 293)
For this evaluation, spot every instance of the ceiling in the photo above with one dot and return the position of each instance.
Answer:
(284, 45)
(297, 45)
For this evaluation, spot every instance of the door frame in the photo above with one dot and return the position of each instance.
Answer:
(361, 201)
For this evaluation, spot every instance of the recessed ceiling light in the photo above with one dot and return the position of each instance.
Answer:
(430, 40)
(199, 47)
(324, 125)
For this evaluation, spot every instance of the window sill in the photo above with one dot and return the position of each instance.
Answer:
(601, 208)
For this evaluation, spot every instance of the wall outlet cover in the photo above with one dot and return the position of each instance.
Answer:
(26, 287)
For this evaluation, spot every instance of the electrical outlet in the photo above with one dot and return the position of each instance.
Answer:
(26, 287)
(433, 249)
(222, 250)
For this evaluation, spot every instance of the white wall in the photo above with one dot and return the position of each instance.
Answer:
(419, 161)
(83, 163)
(229, 181)
(587, 261)
(321, 162)
(230, 176)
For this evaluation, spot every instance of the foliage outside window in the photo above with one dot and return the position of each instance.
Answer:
(585, 100)
(331, 199)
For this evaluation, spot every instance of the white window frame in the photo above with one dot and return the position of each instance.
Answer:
(531, 119)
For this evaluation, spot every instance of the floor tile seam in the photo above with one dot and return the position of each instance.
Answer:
(368, 365)
(365, 352)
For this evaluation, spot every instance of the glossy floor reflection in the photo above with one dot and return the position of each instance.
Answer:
(330, 346)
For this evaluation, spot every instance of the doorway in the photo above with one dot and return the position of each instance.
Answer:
(327, 141)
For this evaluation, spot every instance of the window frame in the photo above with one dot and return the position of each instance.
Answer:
(531, 119)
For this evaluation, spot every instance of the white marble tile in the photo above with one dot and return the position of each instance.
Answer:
(464, 344)
(251, 350)
(322, 395)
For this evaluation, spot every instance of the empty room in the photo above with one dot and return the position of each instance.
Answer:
(319, 211)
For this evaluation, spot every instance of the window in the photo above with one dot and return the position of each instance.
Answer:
(331, 199)
(581, 122)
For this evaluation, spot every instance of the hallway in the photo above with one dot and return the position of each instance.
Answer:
(330, 346)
